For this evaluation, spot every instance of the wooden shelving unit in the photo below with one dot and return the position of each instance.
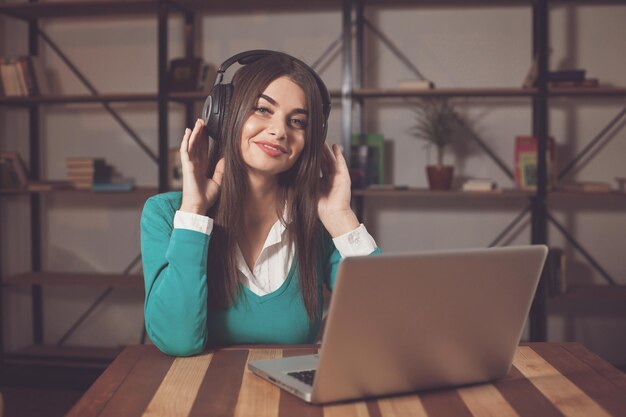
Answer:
(539, 97)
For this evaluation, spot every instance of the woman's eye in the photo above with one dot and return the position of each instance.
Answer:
(299, 123)
(262, 110)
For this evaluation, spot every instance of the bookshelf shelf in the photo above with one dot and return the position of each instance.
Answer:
(82, 98)
(30, 11)
(508, 194)
(589, 92)
(443, 92)
(137, 192)
(74, 279)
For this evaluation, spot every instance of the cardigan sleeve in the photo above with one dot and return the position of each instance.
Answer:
(333, 259)
(174, 266)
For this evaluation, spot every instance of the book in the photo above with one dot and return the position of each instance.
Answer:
(479, 185)
(387, 187)
(13, 172)
(416, 84)
(586, 83)
(116, 185)
(40, 76)
(526, 162)
(567, 75)
(586, 187)
(49, 185)
(21, 77)
(10, 80)
(531, 76)
(188, 74)
(84, 172)
(554, 272)
(374, 170)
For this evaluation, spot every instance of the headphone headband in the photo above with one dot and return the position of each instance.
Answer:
(216, 104)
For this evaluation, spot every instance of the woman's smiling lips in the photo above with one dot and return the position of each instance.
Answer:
(271, 149)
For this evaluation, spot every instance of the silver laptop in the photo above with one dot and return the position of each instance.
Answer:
(404, 322)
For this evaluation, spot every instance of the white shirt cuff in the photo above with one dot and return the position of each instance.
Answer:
(355, 243)
(192, 221)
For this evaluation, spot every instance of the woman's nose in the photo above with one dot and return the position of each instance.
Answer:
(277, 128)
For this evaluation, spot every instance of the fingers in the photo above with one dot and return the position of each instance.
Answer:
(196, 133)
(184, 145)
(218, 174)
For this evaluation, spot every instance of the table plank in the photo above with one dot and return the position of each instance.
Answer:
(373, 408)
(564, 394)
(444, 402)
(524, 397)
(611, 373)
(257, 397)
(407, 405)
(138, 388)
(99, 394)
(355, 409)
(179, 388)
(607, 395)
(485, 400)
(217, 395)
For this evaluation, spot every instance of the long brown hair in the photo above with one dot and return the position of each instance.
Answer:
(297, 187)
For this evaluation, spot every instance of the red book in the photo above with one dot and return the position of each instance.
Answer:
(526, 162)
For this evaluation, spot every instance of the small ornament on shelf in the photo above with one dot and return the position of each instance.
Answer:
(480, 185)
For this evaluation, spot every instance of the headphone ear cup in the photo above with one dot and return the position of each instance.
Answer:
(215, 108)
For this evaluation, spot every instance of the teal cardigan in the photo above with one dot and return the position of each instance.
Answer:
(176, 314)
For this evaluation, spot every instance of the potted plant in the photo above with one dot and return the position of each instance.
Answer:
(437, 122)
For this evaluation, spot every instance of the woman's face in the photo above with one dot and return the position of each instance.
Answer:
(273, 137)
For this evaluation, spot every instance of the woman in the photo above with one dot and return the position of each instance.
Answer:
(242, 254)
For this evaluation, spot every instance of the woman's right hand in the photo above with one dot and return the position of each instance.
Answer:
(199, 192)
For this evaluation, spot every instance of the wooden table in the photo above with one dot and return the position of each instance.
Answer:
(547, 379)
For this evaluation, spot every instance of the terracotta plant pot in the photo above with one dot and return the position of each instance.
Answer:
(439, 176)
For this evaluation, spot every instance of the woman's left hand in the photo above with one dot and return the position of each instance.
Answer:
(333, 206)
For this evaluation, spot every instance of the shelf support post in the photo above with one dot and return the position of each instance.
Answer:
(189, 53)
(346, 85)
(162, 94)
(35, 198)
(538, 312)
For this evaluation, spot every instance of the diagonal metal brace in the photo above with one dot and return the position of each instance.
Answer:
(582, 250)
(498, 161)
(393, 48)
(95, 304)
(94, 92)
(510, 226)
(591, 144)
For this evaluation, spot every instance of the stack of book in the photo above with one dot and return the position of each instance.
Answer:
(23, 76)
(574, 78)
(83, 173)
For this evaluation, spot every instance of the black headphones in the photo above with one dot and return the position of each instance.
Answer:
(216, 104)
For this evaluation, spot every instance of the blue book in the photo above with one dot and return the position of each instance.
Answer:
(122, 184)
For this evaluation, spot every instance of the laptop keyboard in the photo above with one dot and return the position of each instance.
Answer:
(304, 376)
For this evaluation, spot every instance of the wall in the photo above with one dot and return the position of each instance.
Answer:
(481, 47)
